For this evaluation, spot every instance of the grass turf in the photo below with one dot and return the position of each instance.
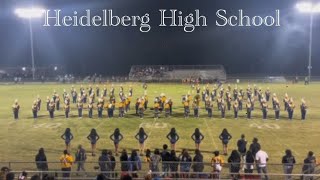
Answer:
(21, 139)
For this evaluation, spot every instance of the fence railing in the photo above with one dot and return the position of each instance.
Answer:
(176, 170)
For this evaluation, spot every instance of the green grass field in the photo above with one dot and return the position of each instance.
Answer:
(20, 140)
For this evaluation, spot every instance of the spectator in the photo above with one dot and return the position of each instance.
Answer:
(81, 157)
(261, 160)
(113, 164)
(104, 163)
(125, 165)
(174, 160)
(3, 173)
(35, 177)
(10, 176)
(308, 166)
(255, 146)
(41, 160)
(198, 165)
(217, 163)
(185, 163)
(288, 161)
(242, 146)
(225, 138)
(248, 167)
(165, 156)
(135, 164)
(154, 164)
(66, 164)
(234, 160)
(23, 176)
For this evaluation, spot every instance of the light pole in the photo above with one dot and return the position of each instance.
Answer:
(310, 8)
(30, 13)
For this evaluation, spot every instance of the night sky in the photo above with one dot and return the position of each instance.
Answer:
(112, 50)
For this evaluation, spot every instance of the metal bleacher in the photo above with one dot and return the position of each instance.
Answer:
(177, 72)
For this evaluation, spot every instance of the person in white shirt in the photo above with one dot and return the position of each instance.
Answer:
(261, 160)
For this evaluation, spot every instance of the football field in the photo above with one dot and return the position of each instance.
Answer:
(21, 139)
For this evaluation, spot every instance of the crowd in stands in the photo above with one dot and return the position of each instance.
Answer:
(143, 71)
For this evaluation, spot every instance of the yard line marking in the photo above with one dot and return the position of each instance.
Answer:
(209, 131)
(152, 127)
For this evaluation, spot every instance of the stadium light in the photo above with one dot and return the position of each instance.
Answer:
(30, 13)
(23, 68)
(310, 8)
(55, 68)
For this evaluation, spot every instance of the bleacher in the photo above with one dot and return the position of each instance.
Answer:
(177, 73)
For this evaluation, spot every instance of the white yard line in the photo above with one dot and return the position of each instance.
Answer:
(209, 131)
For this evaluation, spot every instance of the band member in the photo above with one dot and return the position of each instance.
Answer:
(90, 110)
(137, 106)
(121, 108)
(264, 107)
(235, 93)
(141, 107)
(100, 107)
(130, 90)
(209, 107)
(186, 107)
(35, 109)
(303, 108)
(249, 109)
(57, 102)
(170, 105)
(198, 89)
(223, 109)
(48, 102)
(235, 109)
(219, 100)
(52, 107)
(146, 100)
(255, 90)
(90, 89)
(80, 107)
(167, 108)
(64, 94)
(97, 91)
(277, 109)
(74, 96)
(286, 101)
(163, 99)
(105, 91)
(15, 109)
(54, 95)
(290, 108)
(112, 90)
(195, 106)
(229, 99)
(156, 107)
(67, 109)
(267, 93)
(249, 92)
(110, 109)
(127, 103)
(274, 99)
(239, 98)
(252, 100)
(84, 97)
(38, 102)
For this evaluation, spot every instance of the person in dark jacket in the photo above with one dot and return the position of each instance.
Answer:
(198, 165)
(225, 138)
(125, 165)
(104, 162)
(254, 146)
(174, 163)
(41, 161)
(113, 164)
(242, 146)
(288, 162)
(81, 157)
(248, 167)
(308, 166)
(234, 160)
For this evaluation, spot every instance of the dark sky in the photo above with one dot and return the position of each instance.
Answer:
(112, 50)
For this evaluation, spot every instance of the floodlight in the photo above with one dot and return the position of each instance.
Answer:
(23, 68)
(308, 7)
(29, 12)
(55, 68)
